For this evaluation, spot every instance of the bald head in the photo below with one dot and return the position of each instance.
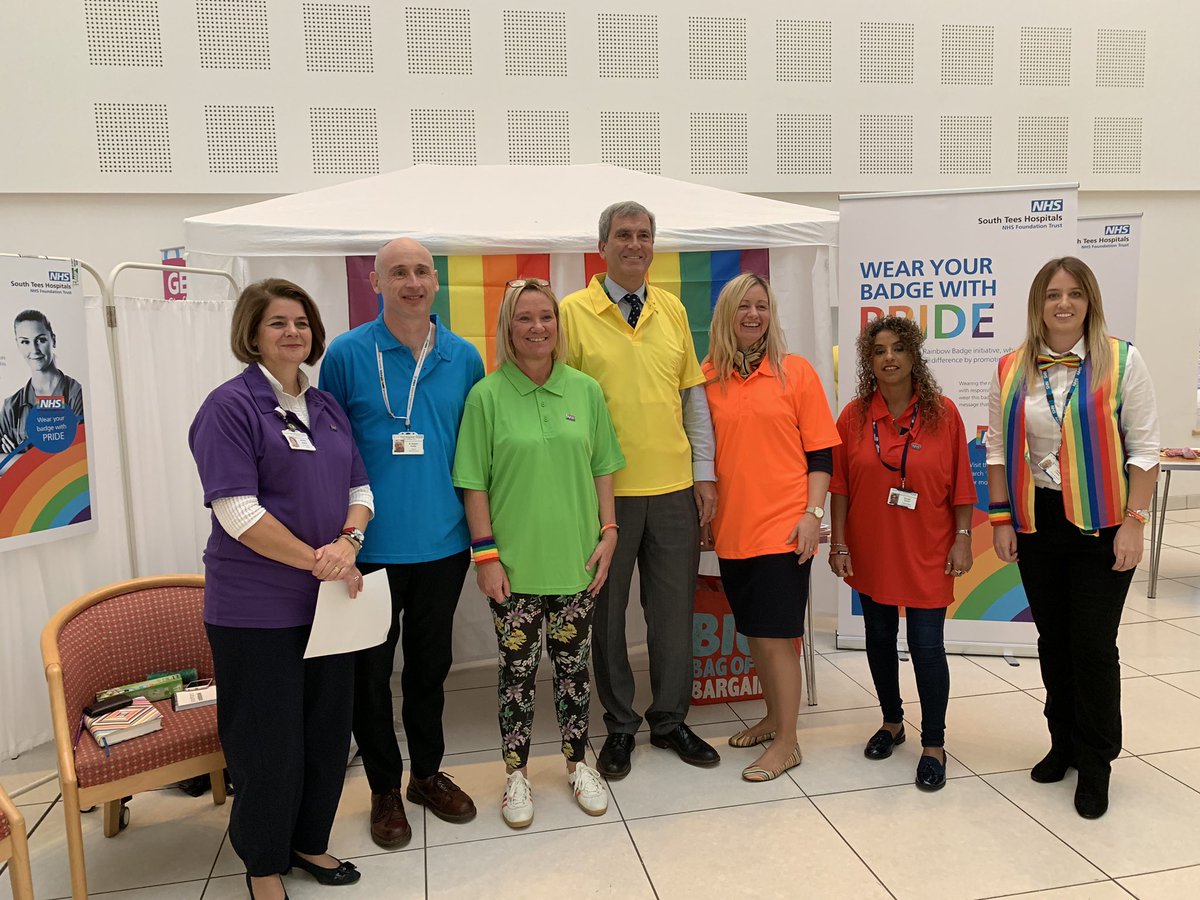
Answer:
(406, 278)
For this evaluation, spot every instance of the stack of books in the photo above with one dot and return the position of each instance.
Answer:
(138, 718)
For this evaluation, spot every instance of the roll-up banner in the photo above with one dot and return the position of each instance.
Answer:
(960, 263)
(45, 492)
(1112, 247)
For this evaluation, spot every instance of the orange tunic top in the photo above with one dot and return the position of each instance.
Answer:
(764, 426)
(899, 555)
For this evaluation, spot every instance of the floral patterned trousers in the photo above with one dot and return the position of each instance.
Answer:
(518, 623)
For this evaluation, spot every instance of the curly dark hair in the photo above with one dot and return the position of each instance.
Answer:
(929, 395)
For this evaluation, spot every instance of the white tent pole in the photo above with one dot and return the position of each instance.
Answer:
(110, 321)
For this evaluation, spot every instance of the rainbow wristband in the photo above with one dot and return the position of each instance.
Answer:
(484, 550)
(999, 514)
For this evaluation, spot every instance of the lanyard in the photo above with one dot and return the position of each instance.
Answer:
(1066, 400)
(903, 470)
(292, 421)
(412, 388)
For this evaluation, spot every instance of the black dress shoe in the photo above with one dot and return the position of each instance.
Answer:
(881, 743)
(1053, 767)
(343, 873)
(691, 749)
(613, 761)
(250, 888)
(931, 774)
(1091, 795)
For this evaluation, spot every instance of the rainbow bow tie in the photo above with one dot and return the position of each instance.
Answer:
(1070, 360)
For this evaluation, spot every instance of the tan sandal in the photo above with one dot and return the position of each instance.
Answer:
(758, 773)
(744, 738)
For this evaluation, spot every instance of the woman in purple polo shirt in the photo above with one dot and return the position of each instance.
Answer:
(290, 500)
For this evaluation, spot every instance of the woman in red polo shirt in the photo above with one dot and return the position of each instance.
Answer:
(774, 432)
(901, 527)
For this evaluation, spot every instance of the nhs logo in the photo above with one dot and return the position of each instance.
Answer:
(1116, 229)
(1046, 205)
(61, 277)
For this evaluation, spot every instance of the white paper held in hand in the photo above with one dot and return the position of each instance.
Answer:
(343, 625)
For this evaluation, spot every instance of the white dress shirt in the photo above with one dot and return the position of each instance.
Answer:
(238, 514)
(1138, 415)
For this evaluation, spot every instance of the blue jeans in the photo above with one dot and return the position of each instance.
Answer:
(926, 648)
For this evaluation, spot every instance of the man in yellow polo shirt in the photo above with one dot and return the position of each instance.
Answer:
(634, 339)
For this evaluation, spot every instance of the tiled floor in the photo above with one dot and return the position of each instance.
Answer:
(837, 826)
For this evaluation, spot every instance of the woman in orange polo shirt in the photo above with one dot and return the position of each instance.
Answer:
(774, 432)
(901, 527)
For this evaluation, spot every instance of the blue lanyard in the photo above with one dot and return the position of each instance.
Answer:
(903, 470)
(1066, 399)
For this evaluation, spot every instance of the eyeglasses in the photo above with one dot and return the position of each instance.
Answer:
(525, 282)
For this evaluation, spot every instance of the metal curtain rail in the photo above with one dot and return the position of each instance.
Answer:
(110, 321)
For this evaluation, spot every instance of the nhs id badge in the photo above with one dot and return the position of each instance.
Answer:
(1049, 465)
(298, 440)
(408, 443)
(902, 498)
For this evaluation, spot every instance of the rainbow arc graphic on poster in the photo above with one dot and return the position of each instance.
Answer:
(40, 491)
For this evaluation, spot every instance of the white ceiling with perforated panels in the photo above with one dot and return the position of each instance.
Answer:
(285, 95)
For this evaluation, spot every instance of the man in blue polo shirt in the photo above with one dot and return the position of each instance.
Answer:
(403, 380)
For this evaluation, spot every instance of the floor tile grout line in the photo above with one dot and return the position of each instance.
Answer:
(1061, 887)
(852, 848)
(1168, 774)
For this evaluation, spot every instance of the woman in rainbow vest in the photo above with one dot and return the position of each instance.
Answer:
(1072, 453)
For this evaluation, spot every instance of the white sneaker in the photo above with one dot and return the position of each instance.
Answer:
(518, 802)
(590, 792)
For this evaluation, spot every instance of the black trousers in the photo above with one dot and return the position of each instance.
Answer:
(284, 723)
(1076, 599)
(424, 598)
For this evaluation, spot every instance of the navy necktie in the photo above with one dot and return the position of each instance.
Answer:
(635, 308)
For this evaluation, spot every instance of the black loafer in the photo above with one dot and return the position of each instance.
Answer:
(881, 743)
(1053, 767)
(1091, 795)
(691, 749)
(613, 761)
(344, 873)
(931, 774)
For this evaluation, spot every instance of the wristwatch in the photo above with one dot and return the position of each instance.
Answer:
(817, 512)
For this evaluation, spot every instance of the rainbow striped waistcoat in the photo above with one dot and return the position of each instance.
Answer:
(1092, 459)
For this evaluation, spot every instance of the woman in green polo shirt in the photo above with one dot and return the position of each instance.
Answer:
(535, 457)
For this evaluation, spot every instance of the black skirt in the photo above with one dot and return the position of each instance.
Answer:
(767, 594)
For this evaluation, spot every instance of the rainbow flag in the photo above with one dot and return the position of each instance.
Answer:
(40, 491)
(696, 279)
(470, 289)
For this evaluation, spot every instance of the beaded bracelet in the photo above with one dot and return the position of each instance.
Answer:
(999, 514)
(484, 550)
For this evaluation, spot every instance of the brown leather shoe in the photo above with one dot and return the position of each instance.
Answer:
(389, 824)
(442, 797)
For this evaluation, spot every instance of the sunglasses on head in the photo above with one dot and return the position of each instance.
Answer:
(525, 282)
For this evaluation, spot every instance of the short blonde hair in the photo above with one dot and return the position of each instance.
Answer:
(508, 306)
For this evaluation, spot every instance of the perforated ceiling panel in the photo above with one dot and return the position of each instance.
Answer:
(632, 140)
(885, 144)
(241, 139)
(438, 41)
(233, 34)
(123, 33)
(968, 54)
(720, 143)
(1120, 58)
(539, 137)
(965, 145)
(716, 48)
(627, 45)
(1043, 144)
(345, 140)
(132, 137)
(1045, 56)
(803, 144)
(338, 37)
(885, 53)
(444, 137)
(1117, 145)
(535, 43)
(803, 50)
